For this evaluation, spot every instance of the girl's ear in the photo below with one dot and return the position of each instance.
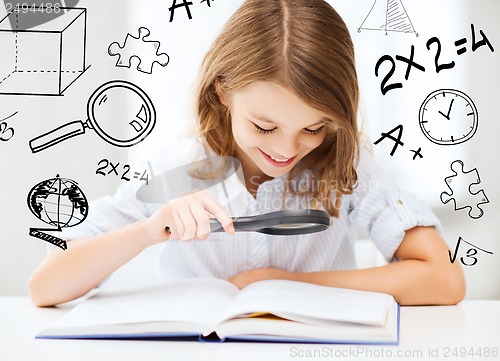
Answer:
(223, 95)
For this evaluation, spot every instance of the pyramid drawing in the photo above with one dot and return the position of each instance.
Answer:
(388, 15)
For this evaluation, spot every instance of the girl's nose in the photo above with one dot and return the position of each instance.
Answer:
(287, 148)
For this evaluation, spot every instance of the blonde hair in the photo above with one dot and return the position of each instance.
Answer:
(303, 46)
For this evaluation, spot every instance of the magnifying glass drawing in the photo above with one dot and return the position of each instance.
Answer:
(119, 112)
(281, 223)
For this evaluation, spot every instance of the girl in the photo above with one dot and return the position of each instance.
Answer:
(278, 92)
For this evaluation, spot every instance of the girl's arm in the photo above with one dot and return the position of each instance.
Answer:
(66, 275)
(423, 274)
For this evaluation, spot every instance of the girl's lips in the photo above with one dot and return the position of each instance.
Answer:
(275, 162)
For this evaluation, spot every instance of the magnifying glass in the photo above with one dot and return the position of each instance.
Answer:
(119, 112)
(281, 223)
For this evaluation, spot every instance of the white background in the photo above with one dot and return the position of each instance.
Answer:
(171, 89)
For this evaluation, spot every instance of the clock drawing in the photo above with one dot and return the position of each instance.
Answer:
(448, 117)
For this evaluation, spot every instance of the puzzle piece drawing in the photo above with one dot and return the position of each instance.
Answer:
(146, 51)
(472, 200)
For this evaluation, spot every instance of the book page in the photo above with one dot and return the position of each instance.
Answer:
(198, 300)
(309, 302)
(278, 329)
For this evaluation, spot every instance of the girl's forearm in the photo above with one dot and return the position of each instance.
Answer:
(66, 275)
(411, 282)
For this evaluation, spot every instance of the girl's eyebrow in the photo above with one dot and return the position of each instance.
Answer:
(265, 120)
(262, 119)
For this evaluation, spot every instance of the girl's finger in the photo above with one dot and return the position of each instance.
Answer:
(188, 223)
(202, 220)
(183, 219)
(218, 211)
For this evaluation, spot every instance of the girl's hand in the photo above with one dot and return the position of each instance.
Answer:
(259, 274)
(187, 218)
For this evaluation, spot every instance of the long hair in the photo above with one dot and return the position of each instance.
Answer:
(304, 46)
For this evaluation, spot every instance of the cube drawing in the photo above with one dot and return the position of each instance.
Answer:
(45, 59)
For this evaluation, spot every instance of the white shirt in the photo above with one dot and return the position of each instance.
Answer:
(377, 209)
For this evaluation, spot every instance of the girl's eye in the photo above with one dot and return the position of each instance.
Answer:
(262, 130)
(316, 131)
(268, 131)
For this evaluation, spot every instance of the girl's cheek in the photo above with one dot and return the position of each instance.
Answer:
(314, 143)
(309, 143)
(255, 139)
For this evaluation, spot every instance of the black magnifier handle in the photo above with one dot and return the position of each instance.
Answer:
(245, 224)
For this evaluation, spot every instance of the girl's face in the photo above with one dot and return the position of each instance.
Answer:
(273, 129)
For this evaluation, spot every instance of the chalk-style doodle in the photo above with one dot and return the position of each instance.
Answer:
(105, 164)
(146, 51)
(417, 153)
(433, 44)
(448, 117)
(208, 2)
(6, 132)
(60, 203)
(474, 199)
(471, 252)
(388, 15)
(397, 141)
(38, 12)
(119, 112)
(45, 60)
(185, 4)
(475, 44)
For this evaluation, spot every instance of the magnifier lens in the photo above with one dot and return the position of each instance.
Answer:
(121, 114)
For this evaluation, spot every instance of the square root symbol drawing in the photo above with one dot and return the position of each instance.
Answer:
(45, 59)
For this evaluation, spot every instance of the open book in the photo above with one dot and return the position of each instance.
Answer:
(271, 310)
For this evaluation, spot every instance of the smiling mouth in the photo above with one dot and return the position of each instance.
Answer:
(278, 161)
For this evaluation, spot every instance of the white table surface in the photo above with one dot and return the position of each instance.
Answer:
(426, 332)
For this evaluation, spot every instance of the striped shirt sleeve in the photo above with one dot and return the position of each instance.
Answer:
(383, 212)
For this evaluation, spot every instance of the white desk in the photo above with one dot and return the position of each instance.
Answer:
(472, 324)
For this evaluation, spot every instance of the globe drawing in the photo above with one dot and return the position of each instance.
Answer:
(58, 202)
